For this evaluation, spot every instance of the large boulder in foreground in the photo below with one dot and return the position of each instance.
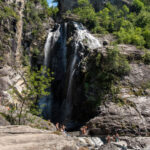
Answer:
(126, 120)
(27, 138)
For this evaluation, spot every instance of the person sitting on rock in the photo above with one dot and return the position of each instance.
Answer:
(114, 138)
(64, 129)
(124, 147)
(81, 130)
(49, 122)
(61, 128)
(57, 126)
(108, 139)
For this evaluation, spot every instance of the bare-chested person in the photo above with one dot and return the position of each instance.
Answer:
(108, 139)
(57, 126)
(63, 127)
(83, 130)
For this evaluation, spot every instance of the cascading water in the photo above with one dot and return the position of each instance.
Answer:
(55, 59)
(64, 62)
(50, 43)
(81, 35)
(45, 102)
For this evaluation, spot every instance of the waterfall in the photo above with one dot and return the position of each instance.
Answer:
(55, 58)
(81, 35)
(64, 62)
(64, 47)
(45, 102)
(49, 45)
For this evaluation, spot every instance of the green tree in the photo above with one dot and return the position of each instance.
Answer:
(87, 14)
(36, 83)
(146, 34)
(125, 10)
(137, 5)
(146, 58)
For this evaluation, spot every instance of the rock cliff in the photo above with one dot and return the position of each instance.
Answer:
(20, 37)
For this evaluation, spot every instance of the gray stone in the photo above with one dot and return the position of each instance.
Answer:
(27, 138)
(114, 118)
(3, 121)
(139, 75)
(109, 147)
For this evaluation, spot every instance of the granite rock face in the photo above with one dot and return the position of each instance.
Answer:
(17, 38)
(131, 116)
(125, 120)
(3, 121)
(27, 138)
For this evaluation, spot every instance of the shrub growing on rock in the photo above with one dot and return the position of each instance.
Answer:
(146, 58)
(36, 83)
(103, 76)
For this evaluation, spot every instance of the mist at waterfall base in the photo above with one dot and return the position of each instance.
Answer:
(57, 107)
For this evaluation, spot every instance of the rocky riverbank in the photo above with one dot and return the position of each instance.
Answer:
(27, 138)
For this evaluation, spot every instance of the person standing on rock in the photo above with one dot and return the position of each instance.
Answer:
(83, 130)
(117, 137)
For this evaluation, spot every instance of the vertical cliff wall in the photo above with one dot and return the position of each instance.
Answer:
(24, 26)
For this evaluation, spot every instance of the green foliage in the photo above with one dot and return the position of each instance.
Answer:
(87, 14)
(146, 58)
(137, 5)
(36, 13)
(36, 83)
(143, 19)
(116, 63)
(103, 76)
(7, 12)
(132, 36)
(131, 26)
(146, 35)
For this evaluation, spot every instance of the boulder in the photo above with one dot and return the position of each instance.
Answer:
(109, 147)
(3, 121)
(125, 120)
(27, 138)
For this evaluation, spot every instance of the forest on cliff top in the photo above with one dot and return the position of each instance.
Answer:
(130, 24)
